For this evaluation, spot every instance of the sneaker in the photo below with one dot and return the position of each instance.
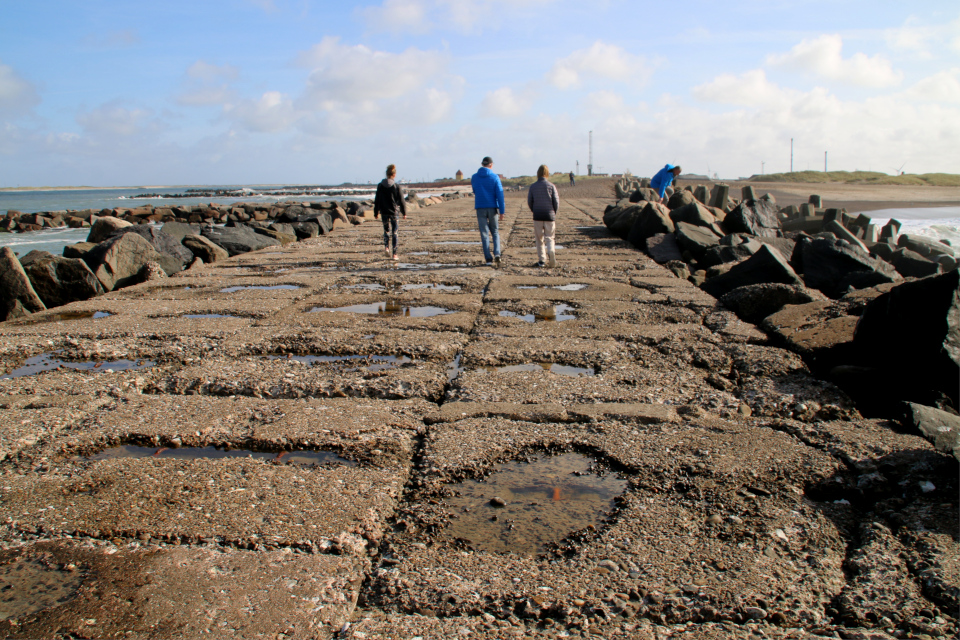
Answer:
(552, 258)
(490, 264)
(395, 257)
(387, 251)
(496, 261)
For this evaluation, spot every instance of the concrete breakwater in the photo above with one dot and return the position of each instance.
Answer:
(758, 500)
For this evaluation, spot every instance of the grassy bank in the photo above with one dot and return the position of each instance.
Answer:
(862, 177)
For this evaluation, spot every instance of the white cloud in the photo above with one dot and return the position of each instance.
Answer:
(17, 96)
(941, 87)
(603, 60)
(924, 40)
(344, 73)
(207, 84)
(398, 16)
(748, 89)
(823, 57)
(506, 103)
(114, 120)
(271, 113)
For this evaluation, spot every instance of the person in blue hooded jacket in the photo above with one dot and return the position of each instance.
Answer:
(488, 200)
(661, 182)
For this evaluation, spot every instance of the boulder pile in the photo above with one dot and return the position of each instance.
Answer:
(874, 310)
(123, 248)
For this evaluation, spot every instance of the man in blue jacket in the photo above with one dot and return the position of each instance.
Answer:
(488, 201)
(661, 182)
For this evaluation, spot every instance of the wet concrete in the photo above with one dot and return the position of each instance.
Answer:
(755, 500)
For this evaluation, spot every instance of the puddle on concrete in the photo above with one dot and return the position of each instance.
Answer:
(203, 316)
(454, 369)
(452, 231)
(419, 253)
(47, 362)
(543, 502)
(552, 367)
(64, 316)
(28, 586)
(389, 309)
(435, 287)
(558, 287)
(302, 457)
(557, 313)
(368, 287)
(285, 287)
(461, 242)
(429, 265)
(350, 363)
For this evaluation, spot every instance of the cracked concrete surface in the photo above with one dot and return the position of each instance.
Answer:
(759, 502)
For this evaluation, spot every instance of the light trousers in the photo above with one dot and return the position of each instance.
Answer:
(543, 230)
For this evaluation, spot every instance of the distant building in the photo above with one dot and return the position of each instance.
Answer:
(459, 174)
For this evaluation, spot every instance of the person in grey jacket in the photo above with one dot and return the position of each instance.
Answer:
(390, 204)
(544, 202)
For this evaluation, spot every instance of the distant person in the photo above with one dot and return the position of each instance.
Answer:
(544, 201)
(573, 182)
(661, 182)
(389, 203)
(488, 200)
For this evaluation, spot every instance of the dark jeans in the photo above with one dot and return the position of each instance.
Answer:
(390, 224)
(489, 225)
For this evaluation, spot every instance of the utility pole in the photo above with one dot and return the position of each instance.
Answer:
(791, 155)
(578, 167)
(824, 161)
(590, 157)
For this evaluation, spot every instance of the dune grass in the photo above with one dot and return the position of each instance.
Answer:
(862, 177)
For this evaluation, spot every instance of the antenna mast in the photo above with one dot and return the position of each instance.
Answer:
(590, 158)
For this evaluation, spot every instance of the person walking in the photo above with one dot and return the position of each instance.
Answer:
(573, 182)
(389, 203)
(488, 201)
(544, 202)
(661, 182)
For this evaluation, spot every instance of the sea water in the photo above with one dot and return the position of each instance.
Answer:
(54, 240)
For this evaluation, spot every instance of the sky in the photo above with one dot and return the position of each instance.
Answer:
(226, 92)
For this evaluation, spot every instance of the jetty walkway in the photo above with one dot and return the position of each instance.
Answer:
(267, 447)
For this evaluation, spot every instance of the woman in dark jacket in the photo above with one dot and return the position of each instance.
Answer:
(389, 203)
(544, 201)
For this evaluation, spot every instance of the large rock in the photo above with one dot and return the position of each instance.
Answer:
(119, 259)
(644, 195)
(766, 265)
(913, 333)
(756, 217)
(911, 264)
(179, 230)
(17, 296)
(306, 229)
(322, 219)
(680, 198)
(78, 250)
(939, 427)
(104, 228)
(284, 238)
(696, 214)
(663, 248)
(291, 213)
(755, 302)
(723, 253)
(833, 266)
(619, 220)
(652, 219)
(927, 247)
(819, 331)
(163, 243)
(239, 239)
(58, 280)
(204, 249)
(695, 239)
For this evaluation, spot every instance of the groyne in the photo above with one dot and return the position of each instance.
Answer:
(759, 500)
